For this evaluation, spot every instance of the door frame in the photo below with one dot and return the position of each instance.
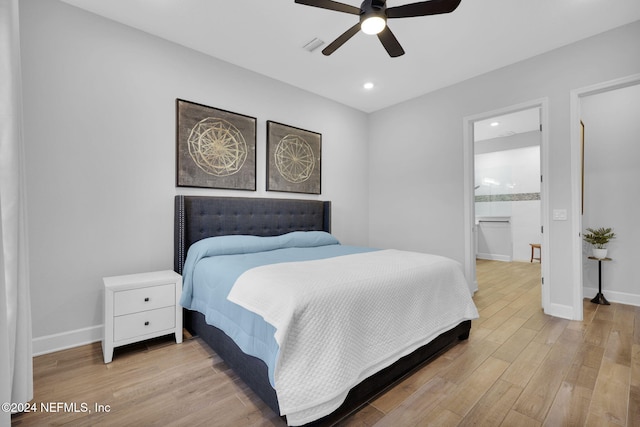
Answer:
(470, 231)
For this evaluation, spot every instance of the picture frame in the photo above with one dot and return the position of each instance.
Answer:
(214, 148)
(293, 159)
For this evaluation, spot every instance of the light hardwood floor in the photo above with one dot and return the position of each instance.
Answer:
(518, 368)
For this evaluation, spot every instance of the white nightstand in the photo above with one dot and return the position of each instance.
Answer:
(141, 306)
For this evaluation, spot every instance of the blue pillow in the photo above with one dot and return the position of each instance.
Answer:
(242, 244)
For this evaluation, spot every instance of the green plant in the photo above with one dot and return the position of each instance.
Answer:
(599, 237)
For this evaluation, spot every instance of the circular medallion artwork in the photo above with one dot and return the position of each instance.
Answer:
(217, 147)
(294, 159)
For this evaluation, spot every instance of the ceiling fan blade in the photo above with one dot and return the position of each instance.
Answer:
(334, 45)
(331, 5)
(390, 43)
(424, 8)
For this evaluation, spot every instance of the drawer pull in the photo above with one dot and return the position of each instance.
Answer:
(146, 323)
(146, 299)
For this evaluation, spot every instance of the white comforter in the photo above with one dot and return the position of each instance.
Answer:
(340, 320)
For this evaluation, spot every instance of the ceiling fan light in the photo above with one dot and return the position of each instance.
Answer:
(373, 25)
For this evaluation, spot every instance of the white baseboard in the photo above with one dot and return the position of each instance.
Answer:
(613, 296)
(65, 340)
(493, 257)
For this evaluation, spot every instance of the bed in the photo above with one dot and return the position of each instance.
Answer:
(198, 218)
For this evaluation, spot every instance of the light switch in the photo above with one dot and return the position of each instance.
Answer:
(559, 214)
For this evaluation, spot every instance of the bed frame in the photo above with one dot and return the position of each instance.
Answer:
(199, 217)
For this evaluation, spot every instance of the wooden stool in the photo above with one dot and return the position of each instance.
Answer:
(533, 247)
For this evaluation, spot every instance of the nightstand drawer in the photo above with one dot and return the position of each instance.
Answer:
(143, 299)
(146, 322)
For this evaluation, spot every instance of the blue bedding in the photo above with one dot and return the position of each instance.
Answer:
(213, 265)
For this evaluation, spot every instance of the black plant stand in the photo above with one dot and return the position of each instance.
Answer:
(599, 298)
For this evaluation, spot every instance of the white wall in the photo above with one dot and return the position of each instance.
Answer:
(518, 173)
(612, 177)
(519, 155)
(99, 118)
(416, 167)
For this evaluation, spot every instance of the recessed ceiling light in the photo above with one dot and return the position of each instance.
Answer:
(494, 124)
(368, 85)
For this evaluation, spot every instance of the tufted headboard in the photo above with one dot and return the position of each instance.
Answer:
(198, 217)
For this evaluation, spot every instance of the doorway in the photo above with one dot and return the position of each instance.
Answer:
(507, 186)
(604, 138)
(504, 186)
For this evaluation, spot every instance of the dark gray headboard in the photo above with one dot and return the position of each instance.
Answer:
(198, 217)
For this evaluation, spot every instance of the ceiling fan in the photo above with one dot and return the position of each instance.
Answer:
(373, 19)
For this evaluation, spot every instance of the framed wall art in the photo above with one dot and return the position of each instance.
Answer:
(215, 148)
(293, 159)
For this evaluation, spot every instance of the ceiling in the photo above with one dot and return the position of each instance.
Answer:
(507, 125)
(268, 37)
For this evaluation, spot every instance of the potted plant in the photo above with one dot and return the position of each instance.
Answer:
(599, 237)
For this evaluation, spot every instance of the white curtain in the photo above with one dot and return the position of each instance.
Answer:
(16, 366)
